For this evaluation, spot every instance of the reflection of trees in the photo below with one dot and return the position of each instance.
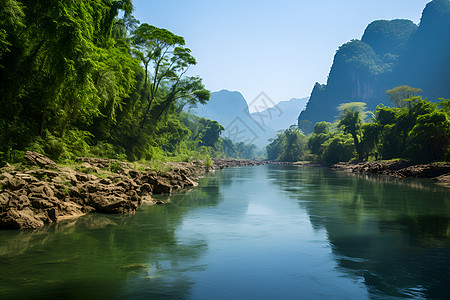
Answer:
(394, 234)
(108, 256)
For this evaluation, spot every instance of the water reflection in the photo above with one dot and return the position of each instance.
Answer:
(395, 234)
(264, 232)
(106, 257)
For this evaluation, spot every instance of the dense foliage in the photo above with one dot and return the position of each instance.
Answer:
(416, 129)
(288, 146)
(85, 78)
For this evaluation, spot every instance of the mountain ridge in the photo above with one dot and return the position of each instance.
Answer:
(390, 53)
(231, 110)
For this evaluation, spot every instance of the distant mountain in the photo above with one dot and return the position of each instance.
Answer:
(231, 110)
(390, 54)
(282, 115)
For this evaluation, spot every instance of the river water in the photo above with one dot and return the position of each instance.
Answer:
(266, 232)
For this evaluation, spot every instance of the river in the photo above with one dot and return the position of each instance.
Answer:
(266, 232)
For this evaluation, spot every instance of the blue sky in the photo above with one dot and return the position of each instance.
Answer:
(278, 47)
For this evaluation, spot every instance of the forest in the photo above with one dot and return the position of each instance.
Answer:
(414, 128)
(85, 78)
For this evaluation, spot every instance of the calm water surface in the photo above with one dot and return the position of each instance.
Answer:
(267, 232)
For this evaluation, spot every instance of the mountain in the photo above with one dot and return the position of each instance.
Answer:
(389, 54)
(231, 110)
(282, 115)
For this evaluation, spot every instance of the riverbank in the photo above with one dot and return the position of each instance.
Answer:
(397, 168)
(45, 192)
(400, 169)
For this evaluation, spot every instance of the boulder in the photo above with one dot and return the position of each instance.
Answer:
(18, 219)
(41, 190)
(26, 177)
(146, 188)
(111, 204)
(161, 185)
(4, 199)
(18, 201)
(14, 183)
(40, 160)
(85, 177)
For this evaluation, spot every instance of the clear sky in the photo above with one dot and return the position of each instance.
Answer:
(278, 47)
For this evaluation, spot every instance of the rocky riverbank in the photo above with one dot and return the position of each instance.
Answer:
(221, 163)
(44, 192)
(401, 169)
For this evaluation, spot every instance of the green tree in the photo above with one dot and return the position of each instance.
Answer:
(276, 147)
(55, 49)
(339, 148)
(165, 63)
(370, 140)
(350, 121)
(291, 145)
(400, 93)
(429, 140)
(321, 133)
(305, 126)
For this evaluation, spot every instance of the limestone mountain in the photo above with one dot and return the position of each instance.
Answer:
(282, 115)
(231, 110)
(389, 54)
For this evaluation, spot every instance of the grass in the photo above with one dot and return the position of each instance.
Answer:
(208, 162)
(159, 166)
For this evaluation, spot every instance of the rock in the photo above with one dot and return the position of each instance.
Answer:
(133, 196)
(88, 168)
(106, 181)
(27, 177)
(15, 183)
(39, 203)
(43, 173)
(69, 175)
(425, 171)
(444, 178)
(98, 162)
(70, 209)
(75, 192)
(52, 214)
(112, 204)
(4, 164)
(146, 188)
(60, 192)
(188, 181)
(85, 177)
(40, 160)
(18, 202)
(36, 197)
(398, 168)
(112, 164)
(4, 199)
(15, 219)
(133, 173)
(147, 199)
(5, 175)
(161, 186)
(41, 190)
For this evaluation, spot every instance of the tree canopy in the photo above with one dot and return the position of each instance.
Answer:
(86, 78)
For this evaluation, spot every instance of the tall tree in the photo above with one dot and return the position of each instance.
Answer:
(400, 93)
(351, 119)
